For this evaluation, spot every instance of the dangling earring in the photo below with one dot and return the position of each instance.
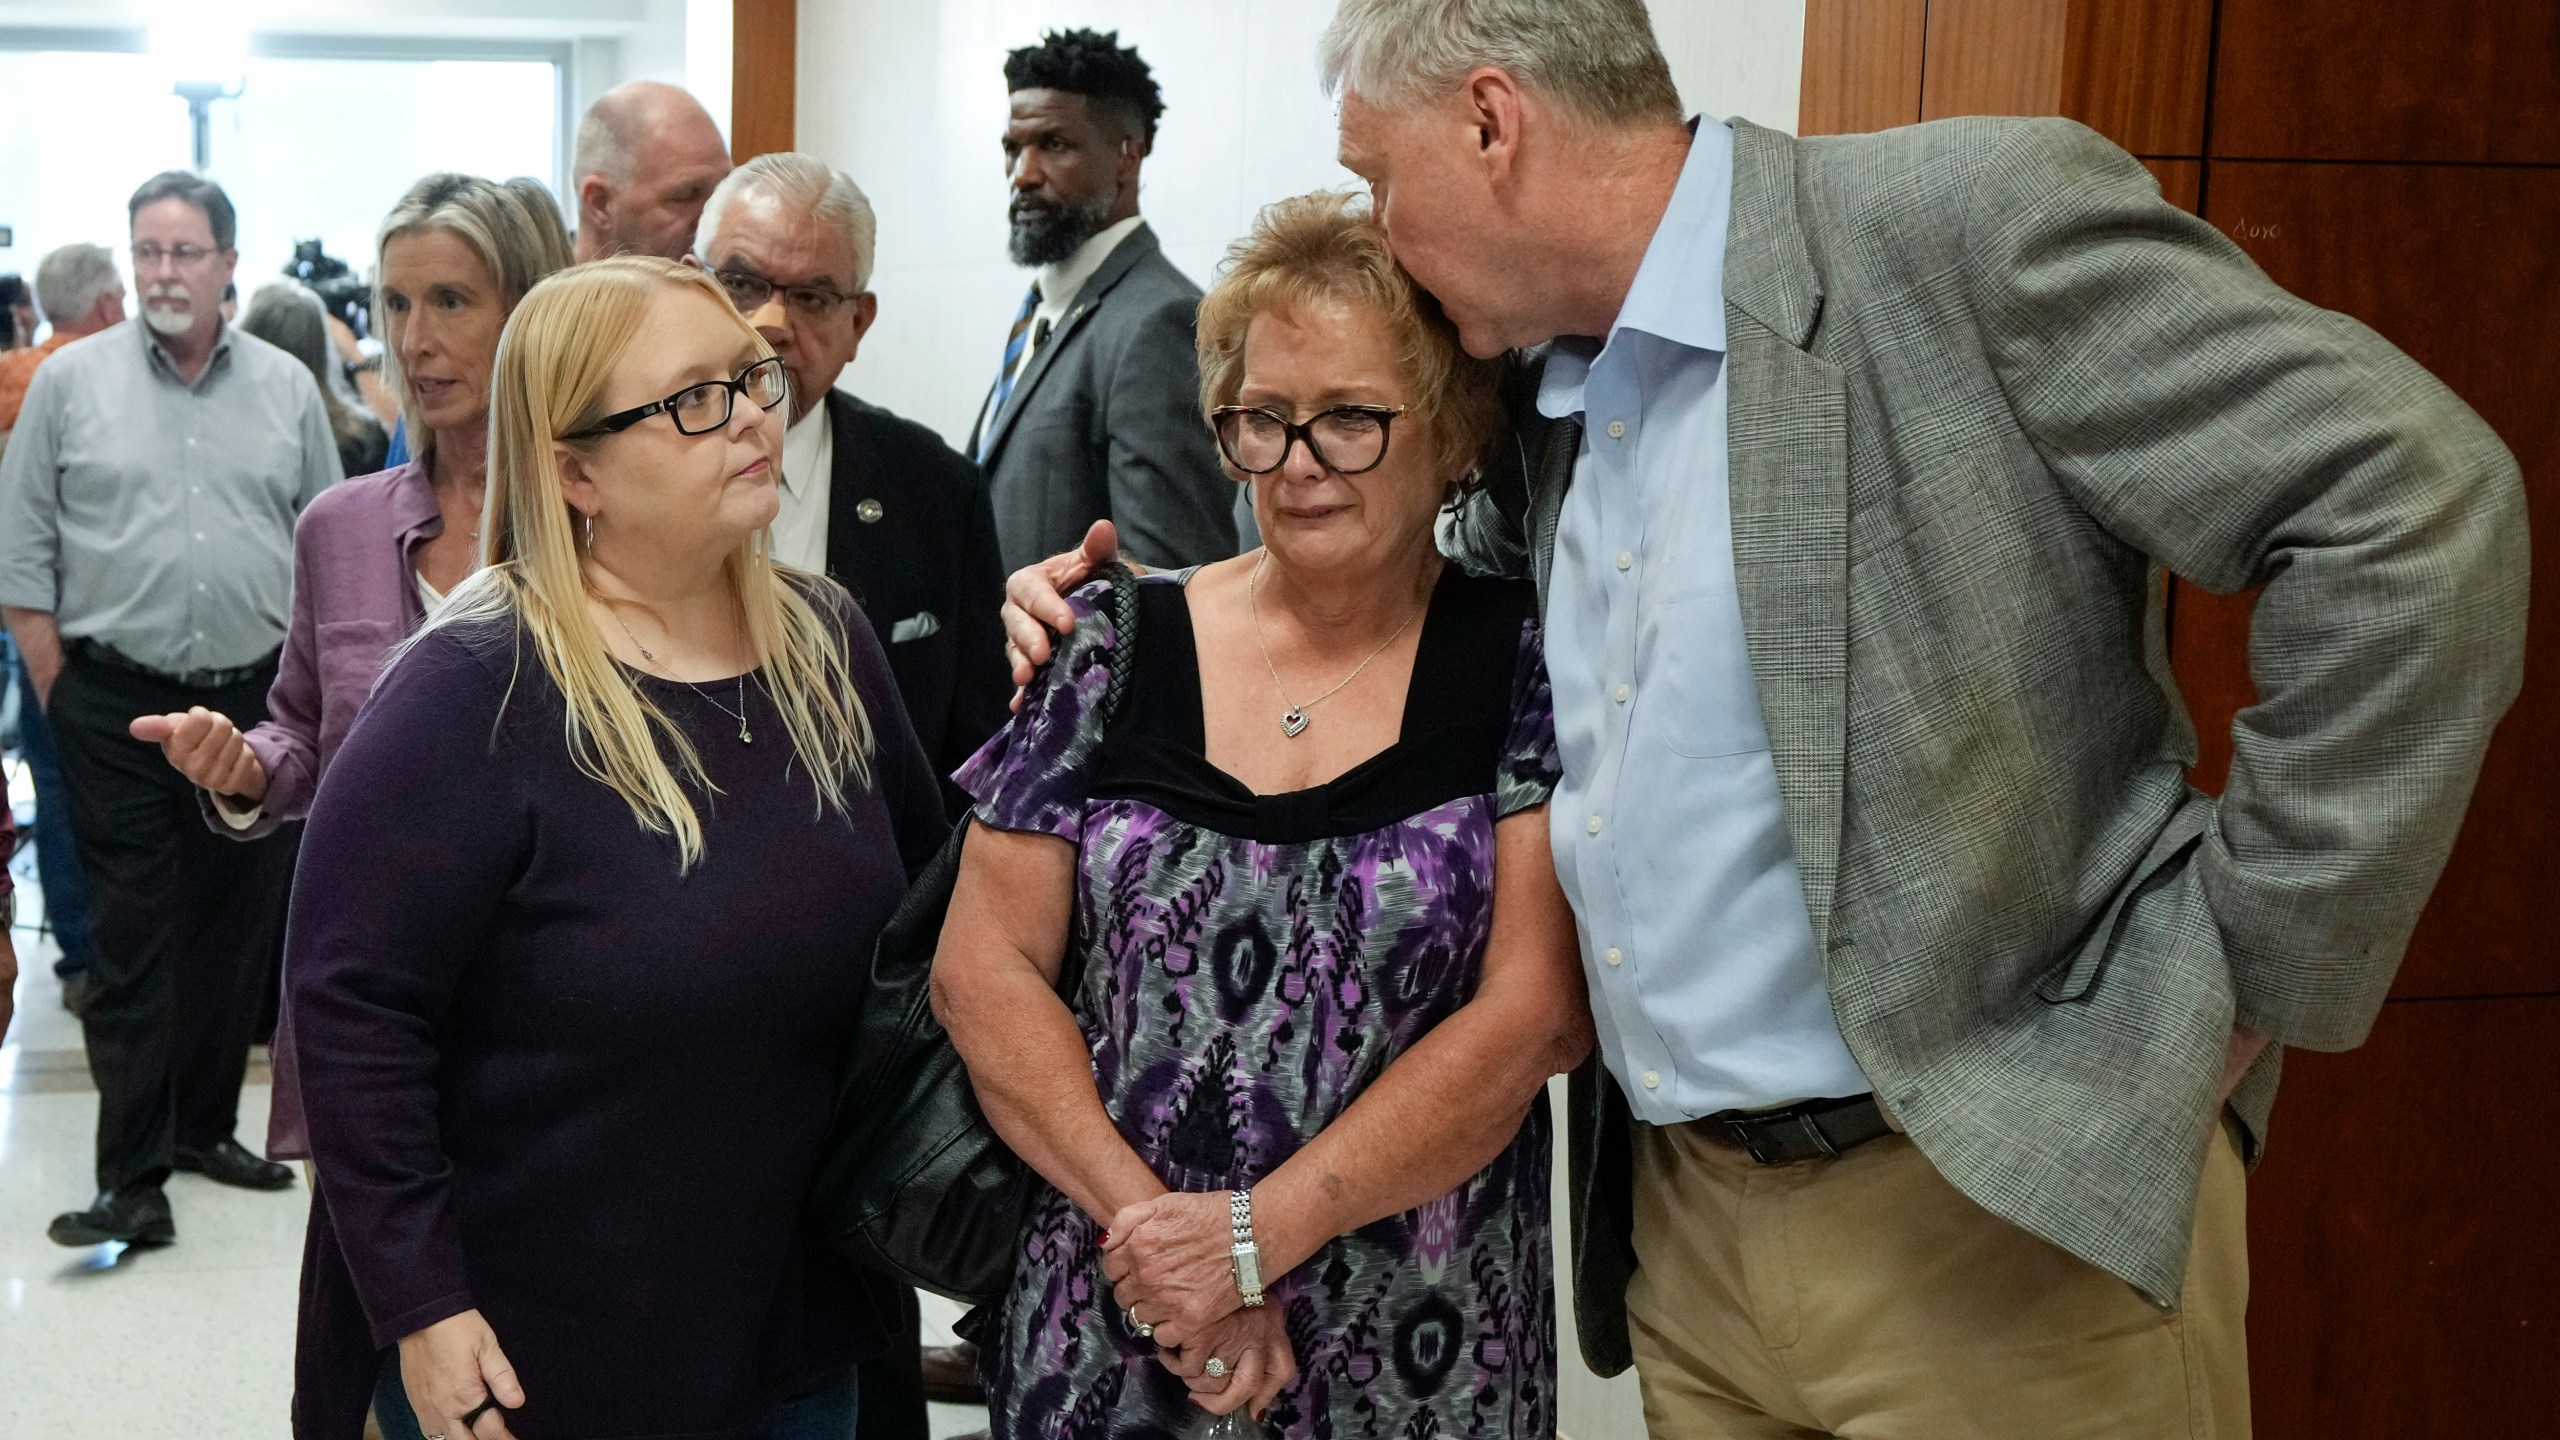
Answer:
(591, 530)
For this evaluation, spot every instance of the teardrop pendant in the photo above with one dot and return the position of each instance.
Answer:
(1293, 722)
(744, 738)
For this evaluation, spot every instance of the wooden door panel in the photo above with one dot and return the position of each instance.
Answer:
(2448, 80)
(2404, 1272)
(2136, 72)
(1994, 57)
(763, 76)
(2455, 265)
(2181, 181)
(1861, 65)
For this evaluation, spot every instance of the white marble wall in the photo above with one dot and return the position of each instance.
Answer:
(909, 98)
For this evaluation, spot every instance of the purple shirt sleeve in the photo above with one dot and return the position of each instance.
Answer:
(288, 744)
(1032, 776)
(1530, 763)
(408, 854)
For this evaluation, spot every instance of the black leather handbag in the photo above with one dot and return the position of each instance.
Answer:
(913, 1181)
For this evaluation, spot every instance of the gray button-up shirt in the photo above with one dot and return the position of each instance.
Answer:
(157, 516)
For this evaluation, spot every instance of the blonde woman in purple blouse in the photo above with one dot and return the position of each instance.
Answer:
(372, 555)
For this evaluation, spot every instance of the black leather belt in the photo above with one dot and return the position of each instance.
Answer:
(1810, 1130)
(114, 659)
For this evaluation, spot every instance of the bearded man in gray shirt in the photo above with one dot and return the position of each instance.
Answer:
(147, 507)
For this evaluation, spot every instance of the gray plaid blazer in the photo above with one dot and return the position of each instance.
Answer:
(1985, 382)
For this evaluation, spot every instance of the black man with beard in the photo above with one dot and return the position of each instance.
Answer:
(1095, 412)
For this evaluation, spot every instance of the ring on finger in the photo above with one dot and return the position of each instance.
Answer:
(1217, 1368)
(1138, 1327)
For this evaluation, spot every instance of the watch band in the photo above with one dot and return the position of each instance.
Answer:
(1246, 1257)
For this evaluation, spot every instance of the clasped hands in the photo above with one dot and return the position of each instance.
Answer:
(1170, 1264)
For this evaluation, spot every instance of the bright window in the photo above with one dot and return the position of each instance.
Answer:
(312, 147)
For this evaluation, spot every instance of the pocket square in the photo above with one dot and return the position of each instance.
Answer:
(914, 627)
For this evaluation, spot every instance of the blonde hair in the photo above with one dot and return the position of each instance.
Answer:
(1327, 246)
(555, 360)
(513, 230)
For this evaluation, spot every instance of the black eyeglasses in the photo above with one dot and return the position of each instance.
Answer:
(702, 408)
(749, 290)
(1347, 439)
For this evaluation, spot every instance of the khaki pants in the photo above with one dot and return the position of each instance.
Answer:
(1866, 1297)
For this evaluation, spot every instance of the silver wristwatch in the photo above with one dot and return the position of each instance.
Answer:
(1247, 1256)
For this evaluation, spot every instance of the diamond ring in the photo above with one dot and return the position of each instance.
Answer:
(1217, 1368)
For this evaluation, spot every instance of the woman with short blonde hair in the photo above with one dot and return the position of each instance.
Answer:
(1291, 1115)
(582, 918)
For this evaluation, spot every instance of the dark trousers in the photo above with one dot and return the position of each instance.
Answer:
(893, 1383)
(188, 925)
(66, 899)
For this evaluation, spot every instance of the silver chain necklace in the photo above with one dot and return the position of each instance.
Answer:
(739, 714)
(1294, 720)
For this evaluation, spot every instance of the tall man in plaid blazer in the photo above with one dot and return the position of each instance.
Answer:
(1937, 1012)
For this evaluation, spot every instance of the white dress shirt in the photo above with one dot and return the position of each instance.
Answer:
(1669, 832)
(808, 473)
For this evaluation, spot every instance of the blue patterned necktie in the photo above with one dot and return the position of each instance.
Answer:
(1014, 340)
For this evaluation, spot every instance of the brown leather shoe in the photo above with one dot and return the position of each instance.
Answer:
(951, 1374)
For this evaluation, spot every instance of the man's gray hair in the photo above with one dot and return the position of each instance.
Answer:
(1596, 58)
(70, 280)
(801, 183)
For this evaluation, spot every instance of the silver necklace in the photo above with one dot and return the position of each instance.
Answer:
(1294, 720)
(739, 714)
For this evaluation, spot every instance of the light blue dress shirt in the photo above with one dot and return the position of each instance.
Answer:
(1669, 833)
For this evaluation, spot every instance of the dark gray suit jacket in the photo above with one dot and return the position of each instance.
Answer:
(1984, 381)
(1105, 425)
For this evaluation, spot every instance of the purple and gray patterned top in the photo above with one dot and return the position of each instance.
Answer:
(1249, 965)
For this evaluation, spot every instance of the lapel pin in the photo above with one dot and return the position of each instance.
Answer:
(868, 512)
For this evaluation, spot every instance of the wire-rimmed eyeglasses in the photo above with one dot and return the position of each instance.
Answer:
(749, 290)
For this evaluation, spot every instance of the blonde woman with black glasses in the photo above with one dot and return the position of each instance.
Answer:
(583, 916)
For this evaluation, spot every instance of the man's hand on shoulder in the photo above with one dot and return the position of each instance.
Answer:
(1035, 601)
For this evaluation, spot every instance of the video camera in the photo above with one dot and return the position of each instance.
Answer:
(342, 292)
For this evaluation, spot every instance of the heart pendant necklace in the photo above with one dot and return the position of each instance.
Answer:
(1294, 720)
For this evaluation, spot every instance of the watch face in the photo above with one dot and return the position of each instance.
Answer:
(1248, 1269)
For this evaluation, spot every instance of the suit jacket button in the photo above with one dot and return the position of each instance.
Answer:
(868, 512)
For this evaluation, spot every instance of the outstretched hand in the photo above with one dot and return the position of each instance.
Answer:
(206, 748)
(1035, 601)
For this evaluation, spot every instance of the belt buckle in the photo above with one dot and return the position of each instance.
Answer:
(1741, 1132)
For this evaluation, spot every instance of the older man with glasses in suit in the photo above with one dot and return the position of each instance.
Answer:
(873, 500)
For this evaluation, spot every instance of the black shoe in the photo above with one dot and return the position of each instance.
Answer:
(137, 1215)
(951, 1374)
(228, 1164)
